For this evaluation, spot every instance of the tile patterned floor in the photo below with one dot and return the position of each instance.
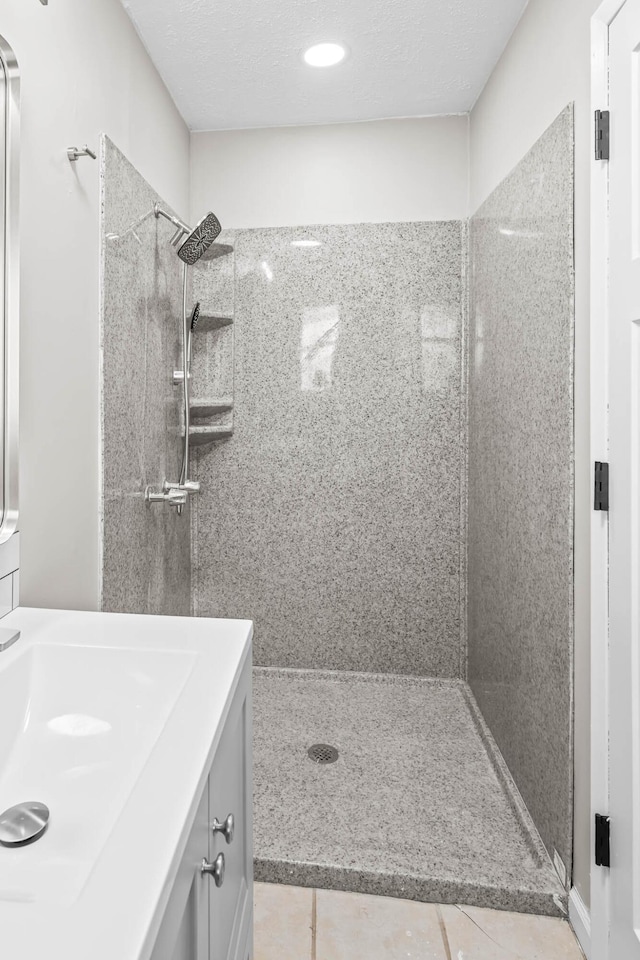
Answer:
(295, 923)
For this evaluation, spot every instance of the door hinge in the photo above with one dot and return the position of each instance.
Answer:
(601, 486)
(602, 134)
(603, 841)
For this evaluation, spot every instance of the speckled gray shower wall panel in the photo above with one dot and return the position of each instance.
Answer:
(146, 565)
(520, 554)
(332, 517)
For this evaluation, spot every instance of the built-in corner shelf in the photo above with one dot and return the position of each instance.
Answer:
(198, 436)
(212, 321)
(208, 407)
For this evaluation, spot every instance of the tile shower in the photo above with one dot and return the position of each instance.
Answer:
(368, 379)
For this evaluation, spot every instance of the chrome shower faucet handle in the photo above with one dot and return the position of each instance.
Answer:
(175, 498)
(188, 487)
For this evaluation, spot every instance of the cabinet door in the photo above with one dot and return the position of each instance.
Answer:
(230, 792)
(184, 933)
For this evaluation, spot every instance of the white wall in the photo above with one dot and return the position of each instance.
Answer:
(378, 171)
(545, 66)
(84, 71)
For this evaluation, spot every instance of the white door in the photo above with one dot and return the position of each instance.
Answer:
(624, 508)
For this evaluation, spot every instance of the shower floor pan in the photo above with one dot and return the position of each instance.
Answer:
(418, 804)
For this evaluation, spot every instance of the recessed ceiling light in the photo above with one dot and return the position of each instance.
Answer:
(325, 54)
(306, 243)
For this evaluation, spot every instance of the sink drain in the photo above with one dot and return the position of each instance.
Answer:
(23, 823)
(323, 753)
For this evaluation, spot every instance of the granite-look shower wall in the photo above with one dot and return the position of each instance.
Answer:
(332, 517)
(146, 561)
(520, 603)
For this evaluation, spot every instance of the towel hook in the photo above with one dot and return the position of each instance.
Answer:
(73, 153)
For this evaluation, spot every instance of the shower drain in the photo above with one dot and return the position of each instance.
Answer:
(323, 753)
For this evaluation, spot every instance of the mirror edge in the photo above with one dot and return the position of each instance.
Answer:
(11, 318)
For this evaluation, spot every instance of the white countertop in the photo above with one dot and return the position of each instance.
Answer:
(100, 894)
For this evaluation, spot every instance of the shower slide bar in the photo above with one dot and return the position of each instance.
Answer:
(191, 245)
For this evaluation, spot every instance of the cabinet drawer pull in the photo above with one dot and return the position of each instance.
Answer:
(215, 869)
(227, 829)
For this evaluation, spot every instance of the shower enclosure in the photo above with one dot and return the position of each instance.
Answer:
(374, 405)
(147, 404)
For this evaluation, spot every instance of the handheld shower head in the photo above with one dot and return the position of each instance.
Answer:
(193, 323)
(200, 239)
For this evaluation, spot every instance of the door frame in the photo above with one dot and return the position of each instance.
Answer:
(599, 370)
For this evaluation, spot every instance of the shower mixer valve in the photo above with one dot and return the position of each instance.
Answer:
(188, 487)
(175, 494)
(175, 498)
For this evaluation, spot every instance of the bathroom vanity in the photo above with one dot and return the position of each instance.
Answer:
(135, 732)
(125, 741)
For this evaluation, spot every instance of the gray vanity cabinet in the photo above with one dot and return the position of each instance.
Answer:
(230, 793)
(184, 933)
(210, 917)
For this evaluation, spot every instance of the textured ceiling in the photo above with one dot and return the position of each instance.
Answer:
(238, 64)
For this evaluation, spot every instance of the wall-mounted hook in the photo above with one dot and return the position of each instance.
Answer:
(73, 153)
(44, 2)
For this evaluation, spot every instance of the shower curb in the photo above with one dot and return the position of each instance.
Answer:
(406, 887)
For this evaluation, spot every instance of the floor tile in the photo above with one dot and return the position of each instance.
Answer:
(282, 922)
(355, 926)
(474, 933)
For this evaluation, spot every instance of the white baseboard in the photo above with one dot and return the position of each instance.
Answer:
(580, 920)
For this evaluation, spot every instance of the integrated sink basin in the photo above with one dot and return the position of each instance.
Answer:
(78, 723)
(112, 721)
